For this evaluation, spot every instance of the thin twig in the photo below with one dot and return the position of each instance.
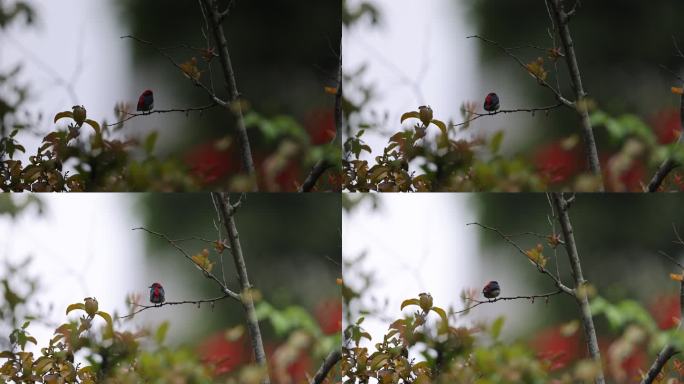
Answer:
(196, 82)
(561, 206)
(319, 168)
(672, 259)
(196, 302)
(329, 362)
(542, 82)
(186, 110)
(506, 298)
(541, 269)
(562, 20)
(531, 110)
(208, 274)
(226, 211)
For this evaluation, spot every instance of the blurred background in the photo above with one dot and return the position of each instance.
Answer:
(396, 247)
(83, 245)
(410, 54)
(71, 52)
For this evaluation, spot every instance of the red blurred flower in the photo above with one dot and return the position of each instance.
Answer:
(329, 315)
(320, 124)
(666, 125)
(225, 355)
(665, 311)
(558, 164)
(559, 350)
(210, 164)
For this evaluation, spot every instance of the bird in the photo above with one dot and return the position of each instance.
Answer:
(491, 290)
(146, 101)
(491, 102)
(157, 293)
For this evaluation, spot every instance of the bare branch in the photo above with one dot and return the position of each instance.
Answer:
(507, 51)
(226, 211)
(571, 60)
(196, 82)
(185, 110)
(316, 172)
(507, 298)
(329, 362)
(196, 302)
(541, 269)
(206, 273)
(530, 110)
(214, 19)
(668, 351)
(669, 164)
(561, 206)
(672, 259)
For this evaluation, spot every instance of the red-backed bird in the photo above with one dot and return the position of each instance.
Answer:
(491, 103)
(491, 290)
(146, 101)
(157, 293)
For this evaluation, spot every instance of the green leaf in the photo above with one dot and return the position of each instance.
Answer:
(150, 141)
(444, 327)
(63, 114)
(72, 307)
(407, 115)
(160, 335)
(497, 325)
(408, 302)
(495, 142)
(441, 126)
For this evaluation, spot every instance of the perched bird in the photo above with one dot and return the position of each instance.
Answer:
(491, 103)
(491, 290)
(146, 101)
(157, 293)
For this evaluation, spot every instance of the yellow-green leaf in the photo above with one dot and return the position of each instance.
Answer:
(496, 327)
(63, 114)
(407, 115)
(75, 306)
(495, 142)
(160, 335)
(441, 126)
(93, 124)
(408, 302)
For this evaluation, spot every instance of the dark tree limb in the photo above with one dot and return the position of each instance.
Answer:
(561, 207)
(668, 351)
(196, 302)
(562, 20)
(669, 164)
(226, 213)
(329, 362)
(214, 18)
(185, 110)
(322, 165)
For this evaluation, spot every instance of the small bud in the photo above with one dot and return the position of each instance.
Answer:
(425, 301)
(91, 306)
(79, 114)
(425, 113)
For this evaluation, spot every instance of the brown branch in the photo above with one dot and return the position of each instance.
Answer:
(531, 110)
(185, 254)
(541, 269)
(668, 351)
(196, 82)
(186, 110)
(561, 207)
(214, 19)
(316, 172)
(329, 362)
(226, 213)
(196, 302)
(562, 20)
(507, 298)
(542, 82)
(669, 164)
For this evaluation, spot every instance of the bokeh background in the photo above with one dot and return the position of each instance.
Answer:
(83, 245)
(396, 247)
(418, 53)
(71, 52)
